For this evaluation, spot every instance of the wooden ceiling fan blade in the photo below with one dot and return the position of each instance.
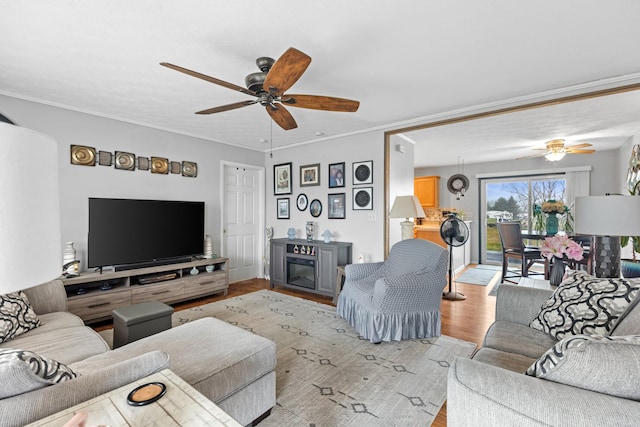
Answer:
(532, 155)
(208, 78)
(282, 117)
(583, 145)
(572, 151)
(286, 71)
(226, 107)
(315, 102)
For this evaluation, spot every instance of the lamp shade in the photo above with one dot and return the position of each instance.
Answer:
(607, 215)
(30, 243)
(406, 207)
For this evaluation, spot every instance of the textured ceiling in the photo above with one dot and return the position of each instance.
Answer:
(404, 61)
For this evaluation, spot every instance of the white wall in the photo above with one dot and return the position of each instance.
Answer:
(400, 181)
(604, 179)
(367, 236)
(78, 183)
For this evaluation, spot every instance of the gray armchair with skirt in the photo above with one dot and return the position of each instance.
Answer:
(399, 298)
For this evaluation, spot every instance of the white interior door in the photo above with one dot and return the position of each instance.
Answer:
(243, 221)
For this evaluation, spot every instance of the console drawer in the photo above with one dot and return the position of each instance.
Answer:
(205, 284)
(163, 292)
(96, 306)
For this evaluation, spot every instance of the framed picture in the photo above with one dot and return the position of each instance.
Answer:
(363, 172)
(310, 175)
(302, 202)
(315, 208)
(337, 208)
(282, 178)
(363, 199)
(283, 208)
(336, 175)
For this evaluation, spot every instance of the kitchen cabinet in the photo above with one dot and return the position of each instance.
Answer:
(426, 188)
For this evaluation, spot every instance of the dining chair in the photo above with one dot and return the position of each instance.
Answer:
(513, 247)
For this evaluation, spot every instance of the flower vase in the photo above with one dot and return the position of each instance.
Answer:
(309, 229)
(557, 271)
(552, 224)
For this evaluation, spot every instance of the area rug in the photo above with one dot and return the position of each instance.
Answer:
(481, 275)
(327, 375)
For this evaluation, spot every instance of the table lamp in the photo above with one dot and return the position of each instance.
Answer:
(406, 207)
(31, 251)
(607, 218)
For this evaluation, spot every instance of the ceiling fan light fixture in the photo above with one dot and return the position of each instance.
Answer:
(554, 156)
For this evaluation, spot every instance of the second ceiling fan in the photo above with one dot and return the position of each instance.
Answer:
(269, 85)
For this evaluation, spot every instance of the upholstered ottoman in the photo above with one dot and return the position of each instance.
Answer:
(137, 321)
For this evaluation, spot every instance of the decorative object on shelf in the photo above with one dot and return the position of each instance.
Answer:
(303, 250)
(362, 199)
(70, 264)
(159, 165)
(556, 249)
(607, 218)
(296, 249)
(209, 268)
(291, 233)
(125, 161)
(83, 155)
(194, 271)
(283, 208)
(315, 208)
(302, 202)
(406, 207)
(309, 228)
(30, 228)
(337, 207)
(327, 236)
(208, 247)
(310, 175)
(363, 172)
(336, 175)
(282, 178)
(104, 158)
(313, 250)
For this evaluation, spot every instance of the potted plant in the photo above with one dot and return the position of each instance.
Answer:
(631, 267)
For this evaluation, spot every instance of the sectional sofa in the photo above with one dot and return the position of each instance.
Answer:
(232, 367)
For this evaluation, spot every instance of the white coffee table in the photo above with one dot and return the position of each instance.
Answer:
(182, 405)
(535, 283)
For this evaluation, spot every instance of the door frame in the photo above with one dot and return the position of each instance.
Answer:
(261, 210)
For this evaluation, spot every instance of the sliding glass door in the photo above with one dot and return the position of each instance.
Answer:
(513, 199)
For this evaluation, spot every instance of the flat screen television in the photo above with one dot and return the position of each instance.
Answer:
(127, 233)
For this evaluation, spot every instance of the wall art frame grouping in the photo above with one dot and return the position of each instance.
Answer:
(336, 175)
(282, 178)
(310, 175)
(336, 206)
(363, 172)
(283, 207)
(83, 155)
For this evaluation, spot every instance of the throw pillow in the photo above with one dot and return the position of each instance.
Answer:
(583, 304)
(16, 316)
(22, 371)
(593, 362)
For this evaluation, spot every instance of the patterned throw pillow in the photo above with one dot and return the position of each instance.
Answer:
(22, 371)
(16, 316)
(593, 362)
(584, 304)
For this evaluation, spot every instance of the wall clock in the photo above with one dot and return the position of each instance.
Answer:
(458, 183)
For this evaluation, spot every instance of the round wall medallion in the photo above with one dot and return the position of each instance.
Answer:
(159, 165)
(362, 198)
(457, 183)
(189, 169)
(125, 161)
(81, 155)
(362, 173)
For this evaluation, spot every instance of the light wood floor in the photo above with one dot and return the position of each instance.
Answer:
(467, 320)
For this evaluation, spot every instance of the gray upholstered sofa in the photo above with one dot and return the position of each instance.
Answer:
(232, 367)
(398, 299)
(491, 389)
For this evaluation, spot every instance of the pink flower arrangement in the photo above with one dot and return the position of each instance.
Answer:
(561, 246)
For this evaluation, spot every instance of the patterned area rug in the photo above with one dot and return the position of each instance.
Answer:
(327, 375)
(482, 275)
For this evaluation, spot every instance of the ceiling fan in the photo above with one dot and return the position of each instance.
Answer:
(268, 87)
(555, 150)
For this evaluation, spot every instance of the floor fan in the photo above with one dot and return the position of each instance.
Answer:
(455, 233)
